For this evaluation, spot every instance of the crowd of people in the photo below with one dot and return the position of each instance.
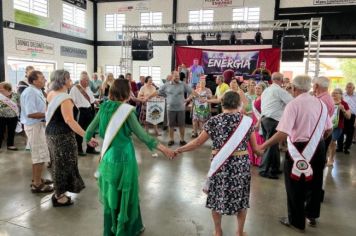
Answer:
(249, 123)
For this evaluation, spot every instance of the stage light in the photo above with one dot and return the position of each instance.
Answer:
(258, 37)
(218, 37)
(171, 39)
(189, 39)
(232, 38)
(203, 37)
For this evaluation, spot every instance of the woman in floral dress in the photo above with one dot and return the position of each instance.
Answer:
(229, 188)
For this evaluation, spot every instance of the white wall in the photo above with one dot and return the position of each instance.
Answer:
(110, 55)
(133, 16)
(307, 3)
(11, 51)
(55, 18)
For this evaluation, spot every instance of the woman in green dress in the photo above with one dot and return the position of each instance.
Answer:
(118, 170)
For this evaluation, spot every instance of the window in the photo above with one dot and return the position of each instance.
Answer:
(246, 14)
(114, 22)
(74, 69)
(154, 72)
(151, 18)
(115, 70)
(38, 7)
(201, 16)
(73, 15)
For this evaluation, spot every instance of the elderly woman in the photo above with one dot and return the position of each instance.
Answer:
(147, 92)
(60, 135)
(105, 87)
(256, 117)
(201, 108)
(250, 96)
(118, 170)
(9, 113)
(341, 112)
(228, 185)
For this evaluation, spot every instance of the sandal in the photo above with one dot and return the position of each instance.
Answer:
(55, 202)
(42, 188)
(45, 181)
(12, 148)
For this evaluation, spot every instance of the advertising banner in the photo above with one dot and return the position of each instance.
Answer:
(155, 110)
(73, 52)
(27, 18)
(216, 62)
(34, 46)
(73, 30)
(79, 3)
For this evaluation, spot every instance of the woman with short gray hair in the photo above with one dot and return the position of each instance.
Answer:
(60, 135)
(230, 133)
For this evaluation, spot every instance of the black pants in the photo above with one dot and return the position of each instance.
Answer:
(304, 197)
(271, 158)
(85, 116)
(348, 131)
(10, 124)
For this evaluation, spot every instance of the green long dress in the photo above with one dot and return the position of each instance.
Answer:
(118, 181)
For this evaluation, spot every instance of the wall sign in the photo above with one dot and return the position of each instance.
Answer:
(334, 2)
(78, 3)
(30, 19)
(73, 52)
(219, 3)
(134, 6)
(73, 30)
(34, 46)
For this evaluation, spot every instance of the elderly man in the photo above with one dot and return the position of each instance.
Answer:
(320, 90)
(303, 127)
(273, 101)
(174, 92)
(349, 124)
(84, 100)
(95, 85)
(33, 109)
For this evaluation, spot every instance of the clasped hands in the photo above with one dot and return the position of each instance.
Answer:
(169, 153)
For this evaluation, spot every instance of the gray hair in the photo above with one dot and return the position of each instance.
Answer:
(322, 81)
(339, 91)
(221, 78)
(262, 84)
(230, 100)
(58, 79)
(302, 82)
(277, 76)
(82, 74)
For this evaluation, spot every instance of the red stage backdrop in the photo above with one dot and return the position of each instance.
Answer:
(225, 58)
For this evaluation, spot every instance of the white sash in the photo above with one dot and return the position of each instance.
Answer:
(54, 104)
(7, 101)
(255, 111)
(302, 160)
(115, 123)
(230, 146)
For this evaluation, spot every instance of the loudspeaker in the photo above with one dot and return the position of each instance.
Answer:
(142, 44)
(292, 55)
(142, 55)
(293, 48)
(293, 42)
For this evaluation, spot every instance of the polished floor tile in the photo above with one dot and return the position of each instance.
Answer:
(171, 199)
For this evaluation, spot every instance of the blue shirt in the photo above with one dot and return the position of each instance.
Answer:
(32, 101)
(196, 72)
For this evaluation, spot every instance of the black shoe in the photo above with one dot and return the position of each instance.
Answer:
(278, 172)
(93, 152)
(182, 143)
(338, 150)
(285, 221)
(311, 222)
(273, 176)
(82, 154)
(263, 174)
(170, 143)
(55, 202)
(346, 152)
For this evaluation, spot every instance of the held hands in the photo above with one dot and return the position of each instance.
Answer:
(93, 142)
(170, 154)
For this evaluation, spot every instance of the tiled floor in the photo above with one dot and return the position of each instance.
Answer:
(171, 199)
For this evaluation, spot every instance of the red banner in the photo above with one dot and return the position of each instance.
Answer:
(186, 55)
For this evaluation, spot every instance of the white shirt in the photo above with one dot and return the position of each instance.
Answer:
(78, 98)
(351, 101)
(273, 101)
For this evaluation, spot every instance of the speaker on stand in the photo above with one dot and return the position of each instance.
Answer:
(142, 49)
(293, 47)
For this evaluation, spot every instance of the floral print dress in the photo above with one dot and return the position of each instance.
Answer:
(229, 188)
